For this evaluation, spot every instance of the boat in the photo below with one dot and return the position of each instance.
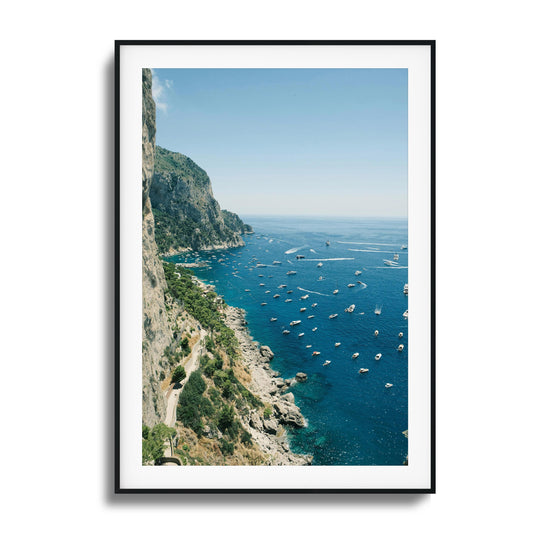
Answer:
(363, 370)
(314, 329)
(388, 262)
(260, 265)
(286, 332)
(295, 322)
(246, 290)
(388, 385)
(377, 310)
(291, 272)
(406, 313)
(404, 246)
(276, 262)
(376, 333)
(406, 288)
(337, 344)
(378, 357)
(400, 348)
(327, 243)
(289, 292)
(400, 334)
(350, 309)
(263, 303)
(304, 297)
(355, 355)
(267, 292)
(288, 300)
(357, 272)
(282, 286)
(314, 305)
(350, 285)
(275, 296)
(360, 282)
(319, 265)
(260, 276)
(261, 284)
(333, 316)
(326, 363)
(311, 316)
(396, 257)
(301, 334)
(273, 319)
(315, 353)
(300, 257)
(336, 291)
(308, 346)
(303, 309)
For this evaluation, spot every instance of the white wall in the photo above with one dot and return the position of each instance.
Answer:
(56, 344)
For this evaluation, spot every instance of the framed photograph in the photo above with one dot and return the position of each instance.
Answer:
(275, 278)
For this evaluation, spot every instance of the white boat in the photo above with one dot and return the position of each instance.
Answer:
(286, 332)
(276, 262)
(376, 333)
(315, 353)
(320, 278)
(378, 357)
(246, 290)
(275, 296)
(301, 334)
(260, 265)
(350, 285)
(314, 329)
(333, 316)
(336, 291)
(289, 292)
(320, 264)
(291, 272)
(303, 309)
(400, 334)
(314, 305)
(260, 275)
(304, 297)
(263, 303)
(311, 316)
(388, 262)
(273, 319)
(267, 292)
(288, 300)
(337, 344)
(327, 243)
(388, 385)
(396, 257)
(326, 363)
(406, 288)
(308, 346)
(406, 314)
(357, 272)
(404, 246)
(363, 370)
(400, 348)
(355, 355)
(377, 310)
(282, 286)
(261, 284)
(350, 309)
(295, 322)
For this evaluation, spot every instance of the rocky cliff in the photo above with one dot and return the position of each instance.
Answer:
(187, 216)
(157, 334)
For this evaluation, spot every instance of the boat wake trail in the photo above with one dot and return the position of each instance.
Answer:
(311, 250)
(391, 267)
(292, 250)
(332, 259)
(369, 243)
(312, 292)
(373, 251)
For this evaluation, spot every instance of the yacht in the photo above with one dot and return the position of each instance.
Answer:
(388, 262)
(282, 286)
(350, 285)
(260, 265)
(336, 291)
(286, 332)
(291, 272)
(311, 316)
(376, 333)
(406, 288)
(355, 355)
(350, 309)
(396, 257)
(308, 346)
(303, 309)
(295, 322)
(363, 370)
(333, 316)
(378, 357)
(314, 305)
(301, 334)
(304, 297)
(273, 319)
(289, 292)
(400, 334)
(315, 353)
(337, 344)
(275, 296)
(314, 329)
(288, 300)
(276, 262)
(327, 243)
(319, 265)
(246, 290)
(267, 292)
(377, 310)
(388, 385)
(406, 314)
(357, 272)
(326, 363)
(400, 348)
(261, 284)
(404, 246)
(263, 303)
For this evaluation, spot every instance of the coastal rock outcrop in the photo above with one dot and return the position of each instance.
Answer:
(187, 215)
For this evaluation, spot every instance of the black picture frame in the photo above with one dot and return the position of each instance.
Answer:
(120, 45)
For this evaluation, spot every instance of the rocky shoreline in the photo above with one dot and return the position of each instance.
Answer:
(269, 433)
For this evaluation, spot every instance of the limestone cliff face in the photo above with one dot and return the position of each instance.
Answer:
(157, 334)
(186, 213)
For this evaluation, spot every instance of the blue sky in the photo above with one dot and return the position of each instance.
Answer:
(291, 141)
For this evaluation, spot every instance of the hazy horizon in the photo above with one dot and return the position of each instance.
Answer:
(303, 142)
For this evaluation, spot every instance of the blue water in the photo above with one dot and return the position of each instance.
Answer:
(353, 419)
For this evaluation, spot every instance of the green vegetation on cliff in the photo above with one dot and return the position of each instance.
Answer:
(185, 212)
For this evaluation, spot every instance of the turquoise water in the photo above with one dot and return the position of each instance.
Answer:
(353, 419)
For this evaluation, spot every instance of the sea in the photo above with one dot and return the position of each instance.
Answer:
(352, 418)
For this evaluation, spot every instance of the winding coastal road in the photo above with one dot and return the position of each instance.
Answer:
(192, 363)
